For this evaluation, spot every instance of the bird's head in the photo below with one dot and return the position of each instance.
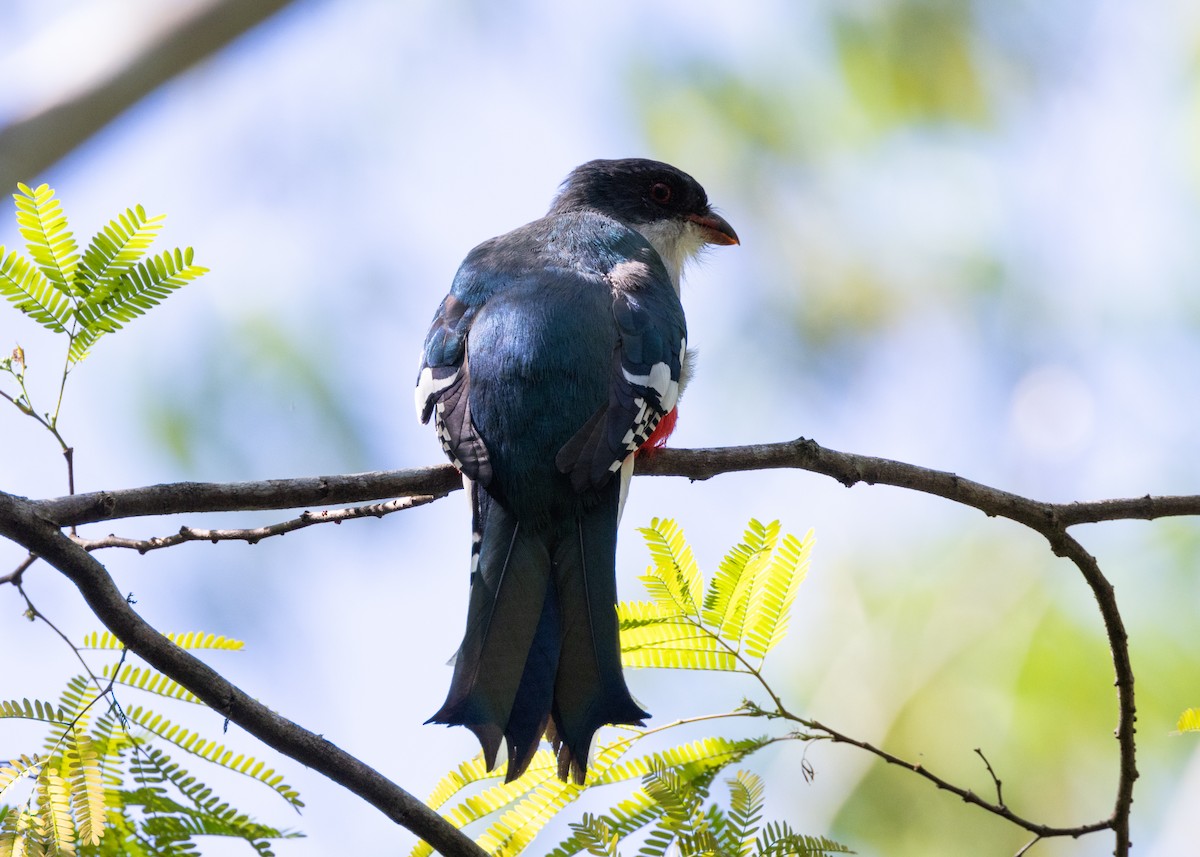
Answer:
(664, 204)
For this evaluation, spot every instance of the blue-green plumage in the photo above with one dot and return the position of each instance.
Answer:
(560, 346)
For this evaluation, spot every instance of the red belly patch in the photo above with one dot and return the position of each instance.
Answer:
(658, 438)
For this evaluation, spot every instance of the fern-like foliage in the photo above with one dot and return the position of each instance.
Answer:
(102, 787)
(150, 680)
(31, 710)
(779, 840)
(681, 818)
(595, 836)
(683, 825)
(517, 811)
(190, 640)
(746, 795)
(86, 297)
(729, 626)
(43, 225)
(32, 293)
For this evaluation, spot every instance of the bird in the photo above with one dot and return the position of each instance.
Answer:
(559, 350)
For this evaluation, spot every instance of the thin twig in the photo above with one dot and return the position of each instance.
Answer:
(992, 774)
(18, 573)
(254, 535)
(817, 731)
(1044, 831)
(26, 409)
(104, 690)
(33, 613)
(1025, 848)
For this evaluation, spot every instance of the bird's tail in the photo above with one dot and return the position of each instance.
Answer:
(541, 653)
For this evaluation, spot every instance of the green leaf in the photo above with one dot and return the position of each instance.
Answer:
(1189, 721)
(76, 696)
(624, 819)
(774, 592)
(102, 640)
(113, 283)
(542, 769)
(746, 799)
(596, 837)
(109, 737)
(54, 808)
(745, 608)
(16, 769)
(694, 759)
(190, 640)
(654, 636)
(30, 292)
(218, 754)
(116, 248)
(728, 594)
(674, 794)
(205, 813)
(42, 224)
(114, 303)
(678, 800)
(152, 681)
(25, 709)
(87, 788)
(80, 804)
(195, 640)
(529, 802)
(517, 827)
(23, 835)
(779, 840)
(674, 578)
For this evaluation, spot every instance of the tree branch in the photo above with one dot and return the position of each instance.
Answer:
(1051, 520)
(21, 522)
(1118, 641)
(696, 464)
(181, 497)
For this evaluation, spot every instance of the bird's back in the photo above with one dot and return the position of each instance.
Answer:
(540, 352)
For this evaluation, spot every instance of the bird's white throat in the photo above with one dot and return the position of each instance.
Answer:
(675, 241)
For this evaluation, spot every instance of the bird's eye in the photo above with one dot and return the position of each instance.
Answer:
(660, 192)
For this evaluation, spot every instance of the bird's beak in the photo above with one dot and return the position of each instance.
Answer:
(716, 228)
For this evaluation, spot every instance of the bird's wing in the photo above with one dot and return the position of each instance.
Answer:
(443, 384)
(644, 379)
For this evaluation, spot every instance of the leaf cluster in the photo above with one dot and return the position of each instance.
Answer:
(693, 829)
(517, 811)
(86, 296)
(102, 786)
(729, 626)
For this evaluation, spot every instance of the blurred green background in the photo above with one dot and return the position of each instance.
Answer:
(969, 242)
